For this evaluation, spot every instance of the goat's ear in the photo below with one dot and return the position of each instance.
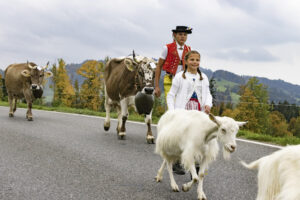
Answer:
(241, 123)
(213, 118)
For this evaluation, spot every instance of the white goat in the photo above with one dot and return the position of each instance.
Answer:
(191, 136)
(278, 174)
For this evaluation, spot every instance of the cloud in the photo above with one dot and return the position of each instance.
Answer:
(75, 30)
(252, 55)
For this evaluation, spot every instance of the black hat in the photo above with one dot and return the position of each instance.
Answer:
(181, 29)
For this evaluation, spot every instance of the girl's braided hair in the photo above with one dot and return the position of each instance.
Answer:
(186, 57)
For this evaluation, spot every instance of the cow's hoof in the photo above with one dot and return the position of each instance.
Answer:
(29, 118)
(121, 136)
(11, 115)
(150, 141)
(106, 128)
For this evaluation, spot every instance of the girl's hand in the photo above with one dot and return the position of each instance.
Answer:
(207, 109)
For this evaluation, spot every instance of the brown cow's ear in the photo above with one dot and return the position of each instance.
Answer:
(25, 73)
(48, 74)
(129, 64)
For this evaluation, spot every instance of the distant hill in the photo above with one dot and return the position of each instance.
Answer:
(227, 85)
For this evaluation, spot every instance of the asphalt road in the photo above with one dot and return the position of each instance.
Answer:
(62, 156)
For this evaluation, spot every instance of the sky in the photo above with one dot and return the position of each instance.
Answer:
(246, 37)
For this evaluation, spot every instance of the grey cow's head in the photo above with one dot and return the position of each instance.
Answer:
(144, 68)
(36, 75)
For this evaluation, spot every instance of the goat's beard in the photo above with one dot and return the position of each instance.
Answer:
(226, 154)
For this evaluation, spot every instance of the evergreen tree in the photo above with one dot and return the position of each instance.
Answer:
(92, 87)
(213, 91)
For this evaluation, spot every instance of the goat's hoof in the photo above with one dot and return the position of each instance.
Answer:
(11, 115)
(202, 196)
(175, 188)
(158, 179)
(185, 188)
(106, 128)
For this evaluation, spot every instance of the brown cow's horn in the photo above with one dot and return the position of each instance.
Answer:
(46, 65)
(31, 67)
(133, 56)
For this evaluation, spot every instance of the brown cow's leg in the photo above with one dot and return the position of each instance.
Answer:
(122, 118)
(27, 95)
(122, 133)
(107, 111)
(15, 104)
(150, 138)
(10, 100)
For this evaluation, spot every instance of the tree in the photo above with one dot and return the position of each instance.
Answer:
(294, 126)
(279, 127)
(254, 106)
(213, 91)
(248, 106)
(92, 87)
(63, 89)
(1, 86)
(77, 95)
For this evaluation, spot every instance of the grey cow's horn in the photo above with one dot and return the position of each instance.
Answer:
(31, 67)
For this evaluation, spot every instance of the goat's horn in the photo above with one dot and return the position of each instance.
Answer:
(31, 67)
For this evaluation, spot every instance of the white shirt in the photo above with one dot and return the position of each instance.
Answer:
(182, 90)
(180, 52)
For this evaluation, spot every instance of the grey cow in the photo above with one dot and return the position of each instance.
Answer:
(124, 78)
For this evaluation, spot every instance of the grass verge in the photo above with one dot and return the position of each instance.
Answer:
(132, 116)
(135, 117)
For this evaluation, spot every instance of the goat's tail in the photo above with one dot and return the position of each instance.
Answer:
(253, 165)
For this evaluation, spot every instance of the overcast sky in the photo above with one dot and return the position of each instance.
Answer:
(246, 37)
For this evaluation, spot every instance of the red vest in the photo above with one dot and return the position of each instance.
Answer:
(172, 60)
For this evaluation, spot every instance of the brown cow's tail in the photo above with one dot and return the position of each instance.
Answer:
(107, 70)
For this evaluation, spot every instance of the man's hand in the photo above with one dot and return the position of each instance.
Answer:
(207, 109)
(157, 91)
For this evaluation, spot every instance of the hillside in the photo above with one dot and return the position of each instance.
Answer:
(227, 85)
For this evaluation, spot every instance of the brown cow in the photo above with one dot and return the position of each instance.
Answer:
(24, 80)
(124, 78)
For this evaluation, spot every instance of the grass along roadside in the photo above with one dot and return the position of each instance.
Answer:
(132, 116)
(135, 117)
